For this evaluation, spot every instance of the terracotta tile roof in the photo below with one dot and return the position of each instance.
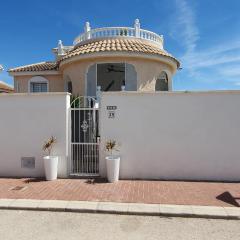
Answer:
(4, 87)
(105, 45)
(118, 44)
(42, 66)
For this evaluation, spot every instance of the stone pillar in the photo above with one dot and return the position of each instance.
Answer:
(137, 28)
(87, 30)
(60, 48)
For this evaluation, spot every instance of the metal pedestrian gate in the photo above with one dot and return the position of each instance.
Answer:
(85, 137)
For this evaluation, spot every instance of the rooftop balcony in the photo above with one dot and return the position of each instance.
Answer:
(113, 32)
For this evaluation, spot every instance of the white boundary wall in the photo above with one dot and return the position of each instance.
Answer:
(26, 121)
(174, 135)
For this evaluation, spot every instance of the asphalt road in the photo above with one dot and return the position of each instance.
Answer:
(23, 225)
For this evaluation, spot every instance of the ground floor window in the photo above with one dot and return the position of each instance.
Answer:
(38, 87)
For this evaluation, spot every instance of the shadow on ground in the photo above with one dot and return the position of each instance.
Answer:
(30, 180)
(228, 198)
(96, 181)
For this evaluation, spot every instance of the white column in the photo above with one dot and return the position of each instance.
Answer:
(60, 48)
(87, 30)
(137, 28)
(98, 94)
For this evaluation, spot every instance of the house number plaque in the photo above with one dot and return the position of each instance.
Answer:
(111, 111)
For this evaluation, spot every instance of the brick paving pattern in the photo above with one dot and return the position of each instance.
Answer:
(131, 191)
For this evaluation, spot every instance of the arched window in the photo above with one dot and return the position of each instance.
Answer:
(162, 82)
(38, 84)
(111, 77)
(69, 86)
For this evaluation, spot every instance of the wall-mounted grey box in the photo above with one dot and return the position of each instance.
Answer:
(28, 162)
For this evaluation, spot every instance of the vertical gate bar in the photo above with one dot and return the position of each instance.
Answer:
(71, 165)
(87, 158)
(81, 156)
(92, 137)
(92, 159)
(93, 141)
(73, 138)
(88, 133)
(95, 159)
(84, 136)
(97, 152)
(97, 130)
(95, 137)
(74, 125)
(79, 136)
(78, 157)
(80, 141)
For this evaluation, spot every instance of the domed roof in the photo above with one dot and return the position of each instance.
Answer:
(118, 45)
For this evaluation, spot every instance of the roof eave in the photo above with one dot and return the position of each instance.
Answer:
(168, 59)
(24, 73)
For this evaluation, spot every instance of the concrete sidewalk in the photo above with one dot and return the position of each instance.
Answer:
(122, 208)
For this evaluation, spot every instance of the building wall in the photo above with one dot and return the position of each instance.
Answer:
(56, 83)
(174, 135)
(27, 120)
(147, 72)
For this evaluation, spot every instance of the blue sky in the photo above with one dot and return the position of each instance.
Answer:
(204, 35)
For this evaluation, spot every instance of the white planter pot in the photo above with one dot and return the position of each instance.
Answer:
(50, 166)
(113, 165)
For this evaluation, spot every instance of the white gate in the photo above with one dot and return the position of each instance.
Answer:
(85, 137)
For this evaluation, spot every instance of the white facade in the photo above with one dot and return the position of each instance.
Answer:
(174, 135)
(165, 135)
(27, 120)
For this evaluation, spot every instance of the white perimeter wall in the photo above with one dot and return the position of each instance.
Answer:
(174, 135)
(26, 121)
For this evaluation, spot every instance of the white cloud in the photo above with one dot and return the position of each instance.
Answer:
(185, 26)
(222, 59)
(199, 60)
(233, 71)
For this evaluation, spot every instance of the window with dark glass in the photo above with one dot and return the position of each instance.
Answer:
(38, 87)
(69, 86)
(162, 82)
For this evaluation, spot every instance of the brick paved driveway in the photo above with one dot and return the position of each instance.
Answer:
(163, 192)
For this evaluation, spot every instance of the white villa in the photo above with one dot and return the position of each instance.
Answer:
(121, 84)
(108, 59)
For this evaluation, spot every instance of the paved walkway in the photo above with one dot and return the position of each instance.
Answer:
(129, 191)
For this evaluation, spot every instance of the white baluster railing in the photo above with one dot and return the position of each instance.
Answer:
(109, 32)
